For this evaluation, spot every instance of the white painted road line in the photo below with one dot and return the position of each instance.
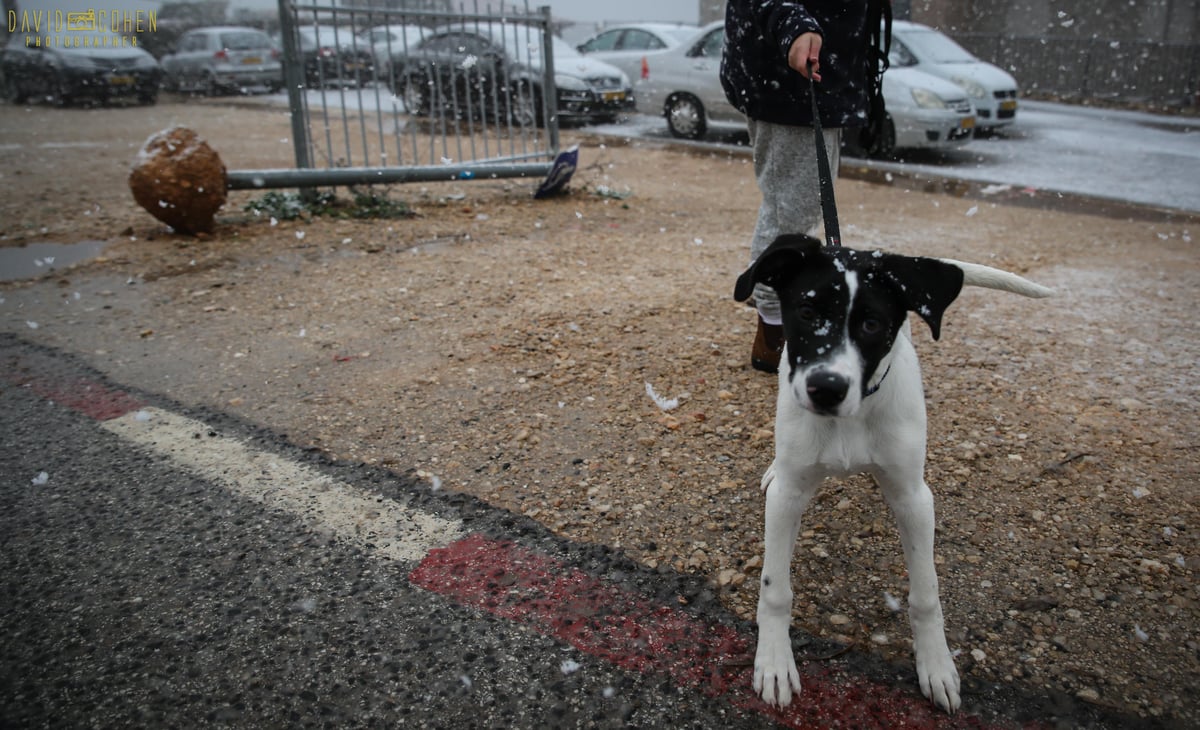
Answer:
(371, 522)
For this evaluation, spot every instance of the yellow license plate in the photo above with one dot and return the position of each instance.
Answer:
(967, 123)
(614, 95)
(251, 60)
(121, 80)
(1008, 106)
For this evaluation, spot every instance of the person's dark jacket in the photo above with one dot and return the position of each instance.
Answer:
(754, 67)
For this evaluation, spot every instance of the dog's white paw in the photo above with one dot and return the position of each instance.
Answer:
(939, 680)
(775, 673)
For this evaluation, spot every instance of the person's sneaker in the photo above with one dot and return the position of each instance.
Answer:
(768, 344)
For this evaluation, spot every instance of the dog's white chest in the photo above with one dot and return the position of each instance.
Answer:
(830, 447)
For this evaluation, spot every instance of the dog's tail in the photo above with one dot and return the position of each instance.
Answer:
(989, 278)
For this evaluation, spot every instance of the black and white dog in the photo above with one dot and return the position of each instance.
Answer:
(851, 400)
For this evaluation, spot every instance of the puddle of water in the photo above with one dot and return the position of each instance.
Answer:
(35, 259)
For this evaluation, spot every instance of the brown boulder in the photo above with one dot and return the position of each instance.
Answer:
(179, 179)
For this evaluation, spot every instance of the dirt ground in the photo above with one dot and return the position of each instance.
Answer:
(501, 346)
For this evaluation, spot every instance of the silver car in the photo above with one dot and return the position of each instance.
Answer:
(993, 91)
(684, 84)
(223, 59)
(923, 111)
(630, 47)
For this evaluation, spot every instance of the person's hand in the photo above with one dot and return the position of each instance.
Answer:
(805, 54)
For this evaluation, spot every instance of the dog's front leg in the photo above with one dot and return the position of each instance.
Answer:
(912, 503)
(775, 674)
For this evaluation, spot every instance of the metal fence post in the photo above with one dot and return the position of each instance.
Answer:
(296, 83)
(549, 87)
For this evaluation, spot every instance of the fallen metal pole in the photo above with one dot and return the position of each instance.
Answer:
(341, 176)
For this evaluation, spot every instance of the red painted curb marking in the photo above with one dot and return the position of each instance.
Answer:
(84, 395)
(606, 621)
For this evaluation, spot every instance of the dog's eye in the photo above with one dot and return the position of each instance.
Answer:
(871, 326)
(807, 313)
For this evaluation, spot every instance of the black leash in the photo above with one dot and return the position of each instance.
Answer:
(833, 235)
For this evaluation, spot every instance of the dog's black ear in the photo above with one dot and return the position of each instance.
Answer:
(926, 286)
(784, 253)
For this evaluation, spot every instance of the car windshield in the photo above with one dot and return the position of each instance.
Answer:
(244, 41)
(562, 49)
(936, 48)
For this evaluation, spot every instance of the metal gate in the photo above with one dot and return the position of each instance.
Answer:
(381, 95)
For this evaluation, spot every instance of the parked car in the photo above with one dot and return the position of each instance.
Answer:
(993, 91)
(923, 110)
(628, 47)
(497, 70)
(102, 67)
(220, 59)
(334, 57)
(684, 84)
(386, 41)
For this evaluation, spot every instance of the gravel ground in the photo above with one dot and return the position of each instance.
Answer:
(502, 346)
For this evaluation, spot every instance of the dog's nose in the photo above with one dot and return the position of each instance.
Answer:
(826, 389)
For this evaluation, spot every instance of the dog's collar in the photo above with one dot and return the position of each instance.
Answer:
(875, 388)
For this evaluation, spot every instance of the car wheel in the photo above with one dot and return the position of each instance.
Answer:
(13, 91)
(525, 106)
(415, 95)
(685, 116)
(211, 87)
(58, 93)
(885, 146)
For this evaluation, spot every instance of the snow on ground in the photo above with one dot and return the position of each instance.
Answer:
(1141, 158)
(1135, 157)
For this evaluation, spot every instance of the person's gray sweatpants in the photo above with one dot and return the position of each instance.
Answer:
(785, 166)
